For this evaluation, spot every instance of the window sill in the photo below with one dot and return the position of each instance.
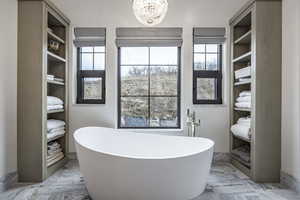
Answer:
(211, 105)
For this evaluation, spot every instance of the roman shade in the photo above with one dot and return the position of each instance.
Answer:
(209, 35)
(138, 37)
(89, 37)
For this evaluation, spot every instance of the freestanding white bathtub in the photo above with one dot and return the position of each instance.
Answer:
(119, 165)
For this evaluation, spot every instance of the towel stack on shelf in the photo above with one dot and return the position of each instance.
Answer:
(244, 74)
(242, 128)
(242, 154)
(55, 128)
(244, 100)
(53, 78)
(54, 153)
(54, 103)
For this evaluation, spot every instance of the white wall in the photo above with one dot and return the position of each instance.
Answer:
(118, 13)
(8, 86)
(291, 88)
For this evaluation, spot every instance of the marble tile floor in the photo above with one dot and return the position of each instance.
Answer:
(225, 183)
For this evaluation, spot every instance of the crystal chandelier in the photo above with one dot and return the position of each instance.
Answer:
(150, 12)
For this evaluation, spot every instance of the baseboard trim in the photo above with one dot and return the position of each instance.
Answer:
(221, 157)
(8, 180)
(290, 181)
(72, 156)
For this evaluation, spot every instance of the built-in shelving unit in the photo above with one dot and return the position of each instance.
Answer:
(257, 28)
(41, 52)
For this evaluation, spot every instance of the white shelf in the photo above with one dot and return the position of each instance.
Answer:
(56, 111)
(243, 58)
(55, 82)
(243, 109)
(244, 39)
(53, 36)
(56, 58)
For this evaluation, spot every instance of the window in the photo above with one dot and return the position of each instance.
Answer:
(207, 73)
(149, 87)
(90, 43)
(91, 75)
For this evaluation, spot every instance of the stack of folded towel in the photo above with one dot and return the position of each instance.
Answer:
(55, 128)
(54, 153)
(54, 103)
(53, 78)
(244, 74)
(242, 153)
(242, 128)
(244, 100)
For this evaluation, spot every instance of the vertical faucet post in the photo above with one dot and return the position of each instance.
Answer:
(191, 123)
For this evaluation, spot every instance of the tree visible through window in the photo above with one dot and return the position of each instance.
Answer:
(91, 75)
(149, 87)
(207, 75)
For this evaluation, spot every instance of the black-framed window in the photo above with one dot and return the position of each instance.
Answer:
(207, 73)
(91, 75)
(149, 87)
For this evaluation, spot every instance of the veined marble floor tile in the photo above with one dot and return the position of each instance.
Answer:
(224, 183)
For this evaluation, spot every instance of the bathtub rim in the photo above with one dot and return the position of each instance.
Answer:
(77, 132)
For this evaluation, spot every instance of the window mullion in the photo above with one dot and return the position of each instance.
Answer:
(149, 86)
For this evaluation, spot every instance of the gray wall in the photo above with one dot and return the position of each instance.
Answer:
(8, 86)
(118, 13)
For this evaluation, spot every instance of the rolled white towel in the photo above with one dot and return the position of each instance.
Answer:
(246, 121)
(54, 101)
(245, 93)
(53, 123)
(244, 99)
(243, 104)
(241, 131)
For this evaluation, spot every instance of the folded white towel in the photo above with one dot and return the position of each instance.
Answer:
(50, 77)
(244, 72)
(243, 104)
(241, 131)
(54, 107)
(54, 101)
(245, 93)
(244, 79)
(52, 157)
(246, 121)
(59, 79)
(55, 134)
(54, 151)
(53, 123)
(54, 160)
(244, 99)
(57, 129)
